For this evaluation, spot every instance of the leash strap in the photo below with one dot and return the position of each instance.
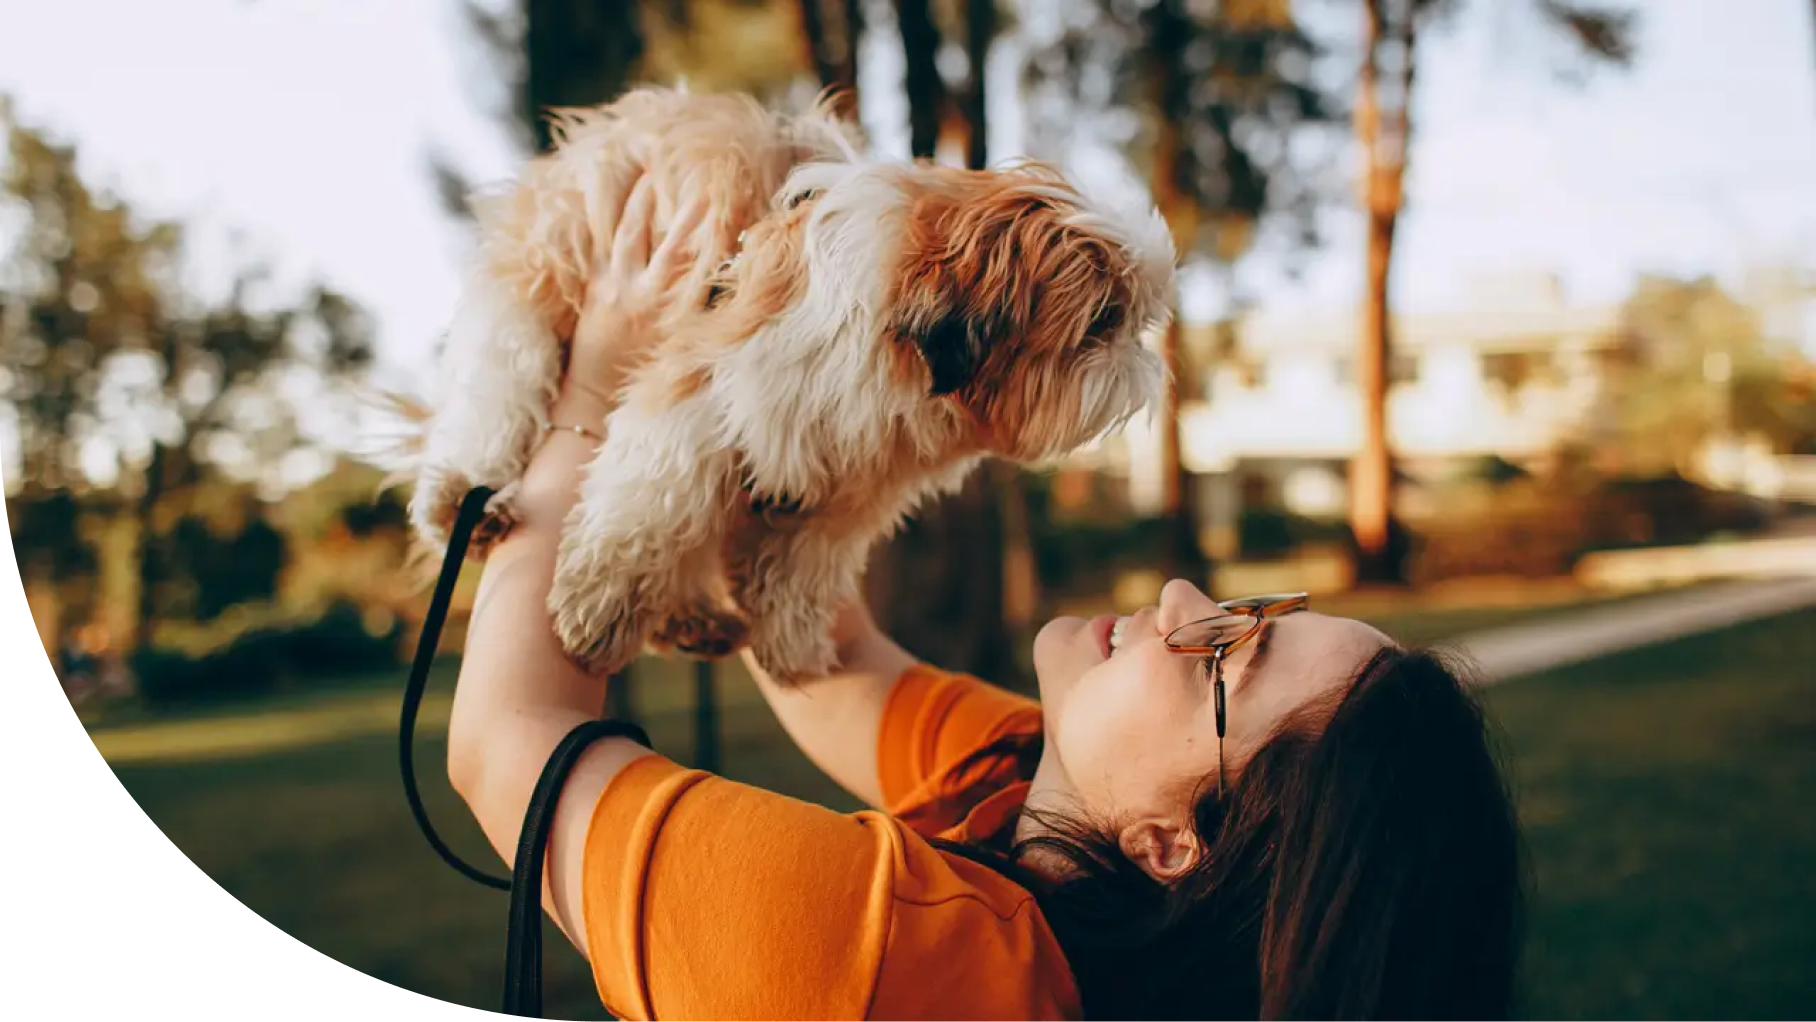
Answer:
(472, 508)
(523, 943)
(523, 935)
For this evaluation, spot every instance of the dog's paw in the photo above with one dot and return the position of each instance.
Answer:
(597, 643)
(599, 625)
(500, 518)
(703, 631)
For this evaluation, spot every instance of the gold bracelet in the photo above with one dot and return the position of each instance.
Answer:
(582, 430)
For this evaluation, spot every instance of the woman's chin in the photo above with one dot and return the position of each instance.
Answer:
(1057, 663)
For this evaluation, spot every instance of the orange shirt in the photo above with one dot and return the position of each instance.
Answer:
(705, 898)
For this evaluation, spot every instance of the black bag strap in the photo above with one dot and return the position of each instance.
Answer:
(523, 935)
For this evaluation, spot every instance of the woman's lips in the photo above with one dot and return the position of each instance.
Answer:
(1101, 627)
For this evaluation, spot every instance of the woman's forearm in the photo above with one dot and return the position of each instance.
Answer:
(837, 720)
(516, 683)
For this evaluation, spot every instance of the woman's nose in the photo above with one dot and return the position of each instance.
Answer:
(1181, 602)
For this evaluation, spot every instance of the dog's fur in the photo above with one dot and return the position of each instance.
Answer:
(881, 329)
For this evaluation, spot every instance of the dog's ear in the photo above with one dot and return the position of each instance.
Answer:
(953, 347)
(942, 322)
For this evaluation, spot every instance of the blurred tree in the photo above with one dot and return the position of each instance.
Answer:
(1392, 31)
(1698, 366)
(1221, 92)
(835, 53)
(205, 563)
(137, 400)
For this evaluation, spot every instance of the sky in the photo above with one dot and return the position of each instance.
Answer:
(303, 129)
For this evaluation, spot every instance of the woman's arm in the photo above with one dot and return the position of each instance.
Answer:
(836, 720)
(518, 693)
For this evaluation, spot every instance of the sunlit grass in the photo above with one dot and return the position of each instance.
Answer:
(259, 732)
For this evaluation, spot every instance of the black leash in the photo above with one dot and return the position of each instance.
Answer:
(523, 936)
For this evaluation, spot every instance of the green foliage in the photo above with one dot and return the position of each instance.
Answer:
(138, 402)
(1268, 532)
(48, 539)
(1236, 82)
(105, 349)
(263, 660)
(1696, 364)
(197, 569)
(1540, 527)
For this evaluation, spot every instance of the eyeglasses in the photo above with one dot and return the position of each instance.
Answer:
(1217, 636)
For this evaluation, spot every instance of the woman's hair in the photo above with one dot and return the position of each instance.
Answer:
(1368, 868)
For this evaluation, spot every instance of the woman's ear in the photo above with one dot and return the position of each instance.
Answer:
(1165, 849)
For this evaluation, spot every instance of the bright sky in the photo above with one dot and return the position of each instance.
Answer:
(306, 126)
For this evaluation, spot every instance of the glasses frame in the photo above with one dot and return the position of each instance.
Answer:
(1261, 609)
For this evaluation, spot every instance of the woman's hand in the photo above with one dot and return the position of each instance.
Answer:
(619, 318)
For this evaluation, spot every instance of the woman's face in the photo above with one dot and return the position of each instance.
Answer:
(1132, 731)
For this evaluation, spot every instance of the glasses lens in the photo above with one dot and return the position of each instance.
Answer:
(1213, 632)
(1253, 604)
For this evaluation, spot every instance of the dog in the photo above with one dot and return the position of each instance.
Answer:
(877, 330)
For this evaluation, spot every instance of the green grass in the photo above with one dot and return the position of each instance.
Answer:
(1665, 794)
(1666, 797)
(311, 830)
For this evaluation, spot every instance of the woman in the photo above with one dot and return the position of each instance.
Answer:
(1214, 810)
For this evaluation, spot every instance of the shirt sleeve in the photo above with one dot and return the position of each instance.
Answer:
(935, 720)
(706, 898)
(709, 899)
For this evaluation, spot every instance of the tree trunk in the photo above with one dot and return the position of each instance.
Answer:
(707, 755)
(1383, 123)
(144, 509)
(980, 32)
(834, 57)
(938, 586)
(926, 91)
(576, 53)
(1184, 554)
(1021, 593)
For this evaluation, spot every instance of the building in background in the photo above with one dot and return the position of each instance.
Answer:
(1275, 417)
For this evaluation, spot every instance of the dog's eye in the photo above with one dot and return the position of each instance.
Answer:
(799, 197)
(717, 294)
(1105, 325)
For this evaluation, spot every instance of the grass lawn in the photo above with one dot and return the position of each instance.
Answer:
(1665, 794)
(1666, 798)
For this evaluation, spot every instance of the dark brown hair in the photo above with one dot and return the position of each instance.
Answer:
(1370, 867)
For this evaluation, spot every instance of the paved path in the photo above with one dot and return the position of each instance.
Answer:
(1572, 637)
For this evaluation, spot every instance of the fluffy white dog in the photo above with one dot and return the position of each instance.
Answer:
(878, 330)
